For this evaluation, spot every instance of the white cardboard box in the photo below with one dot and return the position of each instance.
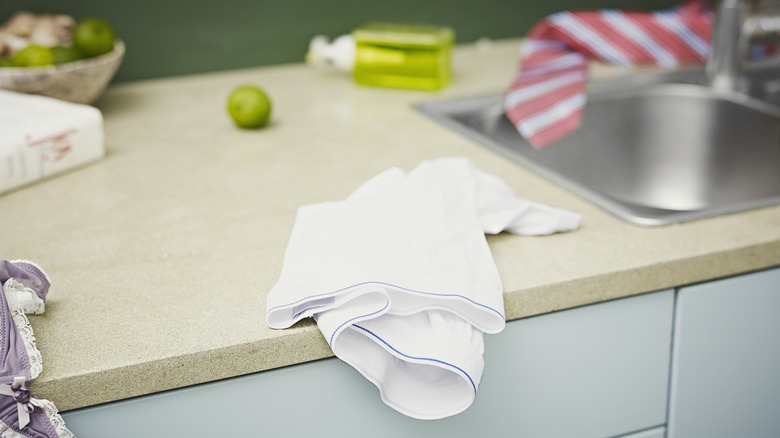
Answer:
(41, 136)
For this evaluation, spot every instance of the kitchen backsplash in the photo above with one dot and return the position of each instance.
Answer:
(175, 37)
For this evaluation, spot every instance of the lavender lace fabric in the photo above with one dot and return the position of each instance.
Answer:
(24, 287)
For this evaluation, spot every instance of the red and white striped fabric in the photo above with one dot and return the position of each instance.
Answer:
(547, 97)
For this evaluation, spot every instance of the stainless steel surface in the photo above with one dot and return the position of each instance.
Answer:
(728, 47)
(651, 149)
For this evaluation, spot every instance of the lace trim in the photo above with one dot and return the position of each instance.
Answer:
(23, 298)
(56, 419)
(20, 300)
(7, 431)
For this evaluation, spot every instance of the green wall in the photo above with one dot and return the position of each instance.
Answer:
(175, 37)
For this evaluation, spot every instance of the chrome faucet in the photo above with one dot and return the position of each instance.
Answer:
(732, 31)
(728, 47)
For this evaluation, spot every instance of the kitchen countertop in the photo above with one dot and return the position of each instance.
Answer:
(161, 254)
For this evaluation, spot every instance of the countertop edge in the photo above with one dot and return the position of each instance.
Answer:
(175, 372)
(642, 279)
(262, 355)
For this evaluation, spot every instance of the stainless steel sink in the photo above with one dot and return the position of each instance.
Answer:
(652, 149)
(665, 147)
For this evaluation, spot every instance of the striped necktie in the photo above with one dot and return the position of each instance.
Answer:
(547, 97)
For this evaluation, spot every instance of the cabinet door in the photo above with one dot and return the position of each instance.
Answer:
(726, 359)
(596, 371)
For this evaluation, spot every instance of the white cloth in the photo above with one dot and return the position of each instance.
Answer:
(401, 281)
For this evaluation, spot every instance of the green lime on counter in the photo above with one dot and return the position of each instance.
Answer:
(249, 106)
(6, 62)
(33, 56)
(93, 36)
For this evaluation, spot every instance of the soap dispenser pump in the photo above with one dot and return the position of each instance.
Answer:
(389, 55)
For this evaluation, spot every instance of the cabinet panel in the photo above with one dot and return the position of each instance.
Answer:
(726, 366)
(656, 432)
(595, 371)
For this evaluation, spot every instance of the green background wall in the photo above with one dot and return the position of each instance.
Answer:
(175, 37)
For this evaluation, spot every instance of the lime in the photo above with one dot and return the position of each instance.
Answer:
(6, 62)
(65, 54)
(33, 56)
(93, 36)
(249, 106)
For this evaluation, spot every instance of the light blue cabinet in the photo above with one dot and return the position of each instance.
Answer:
(726, 369)
(595, 371)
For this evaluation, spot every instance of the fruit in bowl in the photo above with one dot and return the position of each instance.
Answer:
(53, 55)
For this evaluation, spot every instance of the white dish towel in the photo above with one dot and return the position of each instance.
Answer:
(401, 281)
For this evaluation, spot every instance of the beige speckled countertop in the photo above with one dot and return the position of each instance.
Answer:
(161, 254)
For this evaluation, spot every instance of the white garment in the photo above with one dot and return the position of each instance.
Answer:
(401, 281)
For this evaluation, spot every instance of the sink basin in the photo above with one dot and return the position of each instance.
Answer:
(651, 149)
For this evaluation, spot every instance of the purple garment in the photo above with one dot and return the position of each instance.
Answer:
(15, 361)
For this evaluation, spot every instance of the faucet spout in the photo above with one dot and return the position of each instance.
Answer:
(728, 47)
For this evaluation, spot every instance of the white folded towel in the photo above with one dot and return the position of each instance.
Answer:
(401, 281)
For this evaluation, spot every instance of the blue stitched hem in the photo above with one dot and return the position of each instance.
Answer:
(420, 358)
(386, 284)
(330, 342)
